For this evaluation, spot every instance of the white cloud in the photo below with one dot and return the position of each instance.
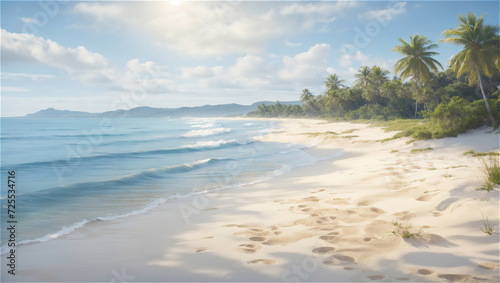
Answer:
(306, 67)
(394, 8)
(201, 72)
(349, 65)
(316, 8)
(21, 47)
(254, 72)
(29, 20)
(17, 76)
(13, 89)
(88, 67)
(291, 44)
(346, 60)
(210, 28)
(195, 28)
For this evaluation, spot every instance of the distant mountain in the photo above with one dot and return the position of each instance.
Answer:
(54, 113)
(221, 110)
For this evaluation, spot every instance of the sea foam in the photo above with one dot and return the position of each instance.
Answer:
(206, 133)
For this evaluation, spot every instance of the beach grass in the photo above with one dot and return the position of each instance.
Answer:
(479, 154)
(491, 173)
(316, 134)
(487, 228)
(405, 230)
(415, 150)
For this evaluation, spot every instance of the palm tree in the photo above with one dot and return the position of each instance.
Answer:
(362, 77)
(333, 82)
(417, 61)
(305, 96)
(308, 101)
(378, 75)
(480, 53)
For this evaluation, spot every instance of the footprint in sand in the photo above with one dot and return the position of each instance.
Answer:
(264, 261)
(376, 277)
(249, 248)
(425, 272)
(367, 239)
(455, 277)
(376, 210)
(201, 249)
(404, 215)
(426, 197)
(323, 250)
(364, 203)
(345, 258)
(488, 265)
(209, 237)
(349, 268)
(328, 237)
(257, 239)
(446, 203)
(340, 259)
(403, 279)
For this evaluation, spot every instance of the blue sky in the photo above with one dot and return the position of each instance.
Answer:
(101, 56)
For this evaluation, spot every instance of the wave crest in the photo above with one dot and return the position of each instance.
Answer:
(206, 133)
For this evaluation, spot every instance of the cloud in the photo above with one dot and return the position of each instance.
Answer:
(248, 71)
(17, 76)
(254, 72)
(210, 28)
(291, 44)
(349, 65)
(13, 89)
(346, 60)
(316, 8)
(200, 72)
(306, 67)
(29, 20)
(394, 8)
(195, 28)
(21, 47)
(88, 67)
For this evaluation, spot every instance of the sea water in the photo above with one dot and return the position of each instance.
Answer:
(70, 172)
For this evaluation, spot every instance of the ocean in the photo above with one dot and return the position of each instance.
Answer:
(71, 172)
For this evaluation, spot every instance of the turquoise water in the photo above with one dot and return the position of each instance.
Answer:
(70, 172)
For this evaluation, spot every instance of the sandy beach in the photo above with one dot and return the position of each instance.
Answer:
(328, 222)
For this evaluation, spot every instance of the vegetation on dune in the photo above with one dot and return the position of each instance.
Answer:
(405, 230)
(491, 173)
(433, 103)
(415, 150)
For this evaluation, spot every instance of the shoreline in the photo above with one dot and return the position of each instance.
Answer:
(325, 222)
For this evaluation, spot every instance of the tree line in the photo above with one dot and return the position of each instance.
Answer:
(421, 85)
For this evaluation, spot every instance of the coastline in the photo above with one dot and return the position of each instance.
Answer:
(325, 222)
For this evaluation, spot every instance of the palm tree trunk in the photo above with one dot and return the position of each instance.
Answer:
(484, 96)
(416, 106)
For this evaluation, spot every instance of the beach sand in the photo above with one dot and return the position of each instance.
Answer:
(329, 222)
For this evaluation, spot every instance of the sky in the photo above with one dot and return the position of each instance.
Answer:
(99, 56)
